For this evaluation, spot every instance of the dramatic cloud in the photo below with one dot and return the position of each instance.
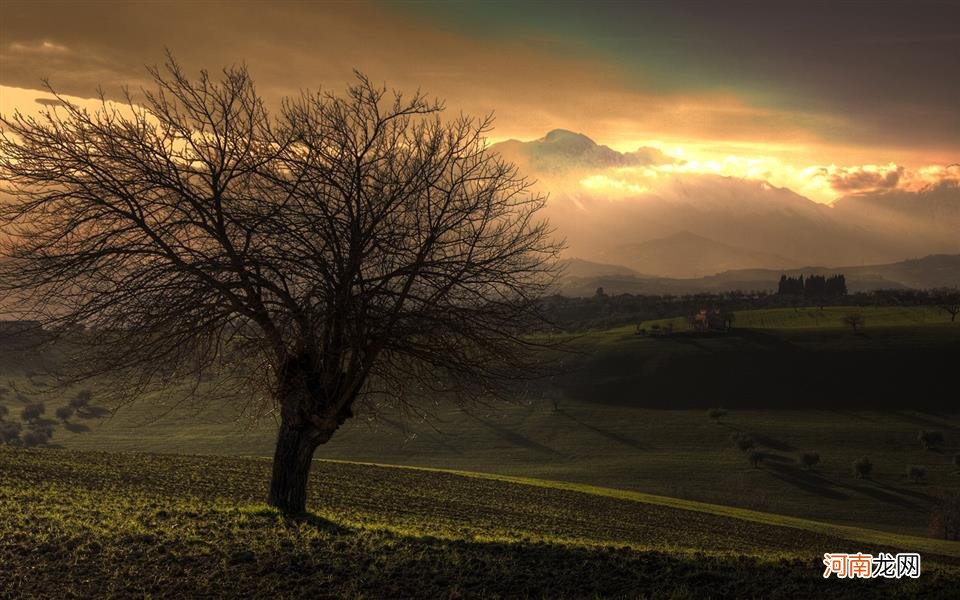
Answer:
(715, 81)
(866, 178)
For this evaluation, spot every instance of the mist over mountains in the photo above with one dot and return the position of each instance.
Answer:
(582, 278)
(674, 224)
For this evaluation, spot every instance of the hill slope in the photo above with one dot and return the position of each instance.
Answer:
(684, 254)
(935, 271)
(632, 415)
(93, 524)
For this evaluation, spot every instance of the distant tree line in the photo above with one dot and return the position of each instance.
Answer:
(814, 286)
(604, 311)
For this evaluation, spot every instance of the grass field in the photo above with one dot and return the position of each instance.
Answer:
(125, 525)
(632, 415)
(828, 317)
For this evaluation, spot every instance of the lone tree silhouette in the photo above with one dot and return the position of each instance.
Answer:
(346, 249)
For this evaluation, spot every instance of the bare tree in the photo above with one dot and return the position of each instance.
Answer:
(855, 321)
(952, 308)
(349, 249)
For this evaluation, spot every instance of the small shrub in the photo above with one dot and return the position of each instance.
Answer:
(743, 442)
(855, 321)
(862, 468)
(10, 432)
(4, 411)
(32, 412)
(38, 436)
(809, 460)
(755, 458)
(716, 414)
(916, 473)
(930, 440)
(81, 400)
(945, 517)
(956, 460)
(64, 413)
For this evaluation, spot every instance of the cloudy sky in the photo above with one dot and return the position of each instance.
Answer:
(825, 98)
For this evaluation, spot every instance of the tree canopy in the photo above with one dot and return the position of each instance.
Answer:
(340, 249)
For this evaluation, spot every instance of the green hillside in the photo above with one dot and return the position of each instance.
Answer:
(631, 414)
(124, 525)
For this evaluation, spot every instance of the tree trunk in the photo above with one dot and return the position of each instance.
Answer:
(291, 467)
(308, 418)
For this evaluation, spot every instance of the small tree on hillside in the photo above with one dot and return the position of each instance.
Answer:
(37, 436)
(64, 413)
(716, 414)
(10, 432)
(31, 412)
(930, 440)
(744, 443)
(862, 468)
(81, 401)
(855, 321)
(916, 473)
(809, 460)
(953, 309)
(347, 249)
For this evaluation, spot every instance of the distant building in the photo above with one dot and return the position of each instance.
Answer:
(711, 319)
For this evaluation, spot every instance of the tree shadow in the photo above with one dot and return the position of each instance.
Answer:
(876, 493)
(75, 427)
(93, 412)
(517, 439)
(907, 492)
(772, 443)
(318, 522)
(777, 458)
(924, 421)
(406, 432)
(808, 481)
(611, 435)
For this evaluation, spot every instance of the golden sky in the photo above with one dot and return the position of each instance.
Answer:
(826, 104)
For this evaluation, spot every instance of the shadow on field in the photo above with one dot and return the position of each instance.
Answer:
(320, 523)
(807, 481)
(772, 443)
(407, 433)
(874, 491)
(815, 483)
(808, 370)
(515, 438)
(611, 435)
(925, 421)
(907, 492)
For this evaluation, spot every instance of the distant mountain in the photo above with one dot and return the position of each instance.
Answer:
(577, 267)
(935, 271)
(674, 223)
(562, 150)
(686, 254)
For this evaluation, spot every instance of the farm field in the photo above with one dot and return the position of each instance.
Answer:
(98, 524)
(632, 415)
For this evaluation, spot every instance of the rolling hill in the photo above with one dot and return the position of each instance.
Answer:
(687, 255)
(125, 525)
(935, 271)
(630, 412)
